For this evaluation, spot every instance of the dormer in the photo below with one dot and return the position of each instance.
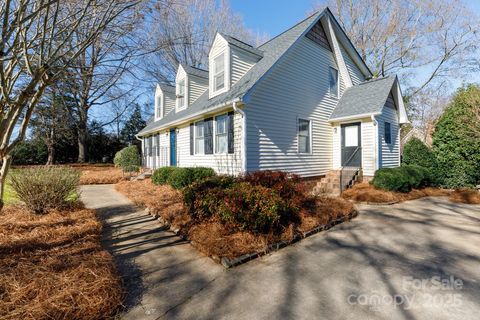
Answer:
(229, 59)
(190, 84)
(164, 100)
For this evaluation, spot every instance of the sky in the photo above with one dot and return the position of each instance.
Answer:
(275, 16)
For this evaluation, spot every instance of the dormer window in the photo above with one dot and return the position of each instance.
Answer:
(181, 94)
(158, 107)
(219, 69)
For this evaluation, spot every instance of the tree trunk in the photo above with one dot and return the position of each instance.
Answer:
(82, 135)
(51, 155)
(3, 176)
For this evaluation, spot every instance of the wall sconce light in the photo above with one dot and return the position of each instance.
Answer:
(335, 130)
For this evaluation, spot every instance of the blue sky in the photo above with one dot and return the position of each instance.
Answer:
(275, 16)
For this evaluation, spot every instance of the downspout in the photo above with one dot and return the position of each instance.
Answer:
(143, 151)
(377, 156)
(244, 136)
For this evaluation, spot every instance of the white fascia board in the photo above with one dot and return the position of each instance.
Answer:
(337, 53)
(354, 117)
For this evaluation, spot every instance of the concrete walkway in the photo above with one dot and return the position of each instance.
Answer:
(415, 260)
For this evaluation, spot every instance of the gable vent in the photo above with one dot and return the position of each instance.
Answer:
(317, 34)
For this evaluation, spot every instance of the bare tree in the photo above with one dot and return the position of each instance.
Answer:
(35, 49)
(182, 31)
(97, 75)
(424, 41)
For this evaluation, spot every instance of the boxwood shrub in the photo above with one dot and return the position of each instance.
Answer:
(180, 177)
(401, 179)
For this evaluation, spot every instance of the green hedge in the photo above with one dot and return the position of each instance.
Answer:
(128, 159)
(181, 177)
(402, 179)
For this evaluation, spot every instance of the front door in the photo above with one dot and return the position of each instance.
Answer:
(173, 148)
(351, 145)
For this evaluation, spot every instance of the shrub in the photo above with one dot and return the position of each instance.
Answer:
(128, 159)
(456, 145)
(181, 177)
(161, 175)
(45, 188)
(417, 153)
(202, 198)
(250, 207)
(288, 186)
(401, 179)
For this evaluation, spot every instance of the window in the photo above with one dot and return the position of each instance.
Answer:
(199, 137)
(351, 136)
(388, 133)
(303, 136)
(333, 82)
(181, 93)
(221, 136)
(159, 106)
(219, 72)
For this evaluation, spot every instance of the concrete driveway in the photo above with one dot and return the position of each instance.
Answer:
(414, 260)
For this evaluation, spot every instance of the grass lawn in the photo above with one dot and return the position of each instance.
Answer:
(9, 196)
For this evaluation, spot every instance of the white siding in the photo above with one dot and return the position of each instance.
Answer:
(221, 163)
(241, 62)
(368, 147)
(355, 74)
(296, 88)
(367, 136)
(169, 101)
(197, 87)
(389, 154)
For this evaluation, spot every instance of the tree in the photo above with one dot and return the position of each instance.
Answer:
(132, 126)
(51, 121)
(96, 75)
(177, 32)
(424, 41)
(36, 48)
(417, 153)
(456, 145)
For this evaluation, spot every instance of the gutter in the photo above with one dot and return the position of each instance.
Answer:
(356, 116)
(244, 136)
(377, 156)
(191, 116)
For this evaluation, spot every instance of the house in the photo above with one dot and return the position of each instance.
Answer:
(303, 102)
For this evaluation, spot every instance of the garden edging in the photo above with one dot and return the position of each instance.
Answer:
(229, 263)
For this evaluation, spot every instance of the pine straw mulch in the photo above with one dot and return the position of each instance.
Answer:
(210, 237)
(365, 192)
(94, 174)
(53, 267)
(468, 196)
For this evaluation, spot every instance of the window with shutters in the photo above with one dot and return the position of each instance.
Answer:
(200, 137)
(304, 136)
(221, 134)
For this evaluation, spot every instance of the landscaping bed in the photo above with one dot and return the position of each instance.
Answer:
(100, 174)
(53, 266)
(231, 220)
(365, 192)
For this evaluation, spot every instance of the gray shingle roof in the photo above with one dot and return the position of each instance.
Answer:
(167, 88)
(365, 98)
(242, 45)
(195, 71)
(272, 51)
